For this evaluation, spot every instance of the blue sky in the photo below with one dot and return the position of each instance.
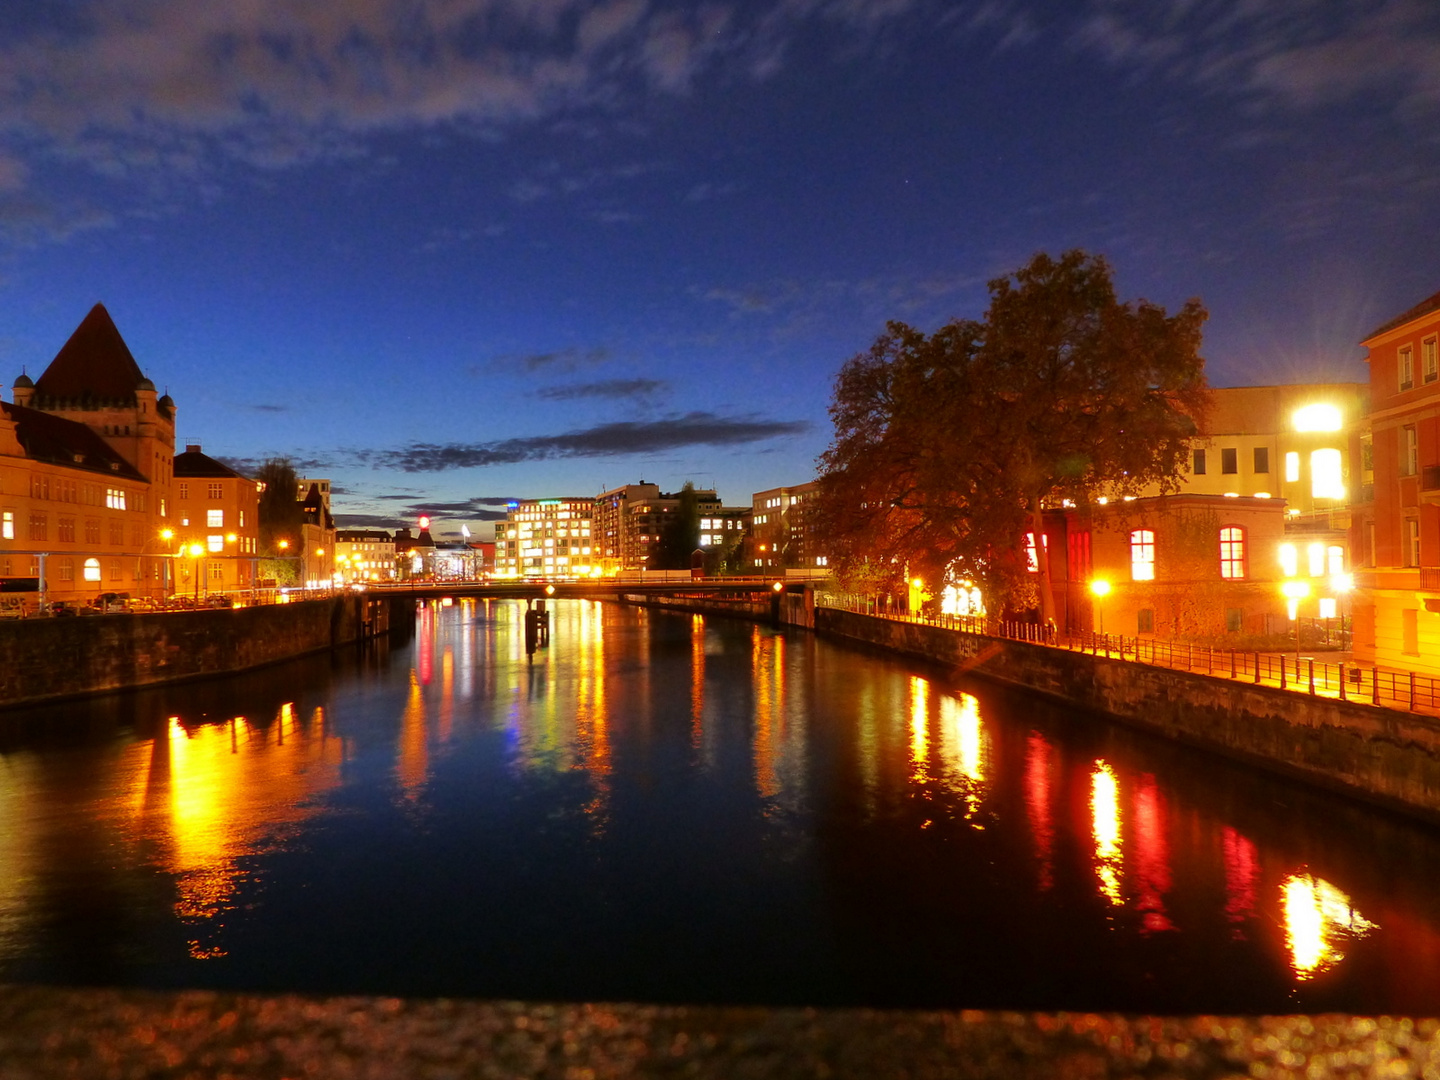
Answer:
(456, 252)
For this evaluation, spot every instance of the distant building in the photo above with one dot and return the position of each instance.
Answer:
(782, 529)
(216, 525)
(1397, 527)
(546, 538)
(317, 539)
(364, 555)
(86, 454)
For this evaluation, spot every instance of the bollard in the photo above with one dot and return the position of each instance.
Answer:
(1257, 669)
(1312, 674)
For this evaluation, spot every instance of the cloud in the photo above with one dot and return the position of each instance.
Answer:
(617, 439)
(561, 361)
(607, 388)
(1293, 53)
(269, 408)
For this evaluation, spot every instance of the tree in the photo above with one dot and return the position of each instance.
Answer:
(681, 535)
(280, 519)
(948, 447)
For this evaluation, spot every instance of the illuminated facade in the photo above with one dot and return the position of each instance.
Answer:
(782, 529)
(630, 521)
(215, 522)
(86, 456)
(546, 538)
(364, 555)
(1396, 531)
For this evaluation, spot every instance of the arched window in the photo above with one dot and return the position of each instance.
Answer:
(1232, 552)
(1142, 555)
(92, 569)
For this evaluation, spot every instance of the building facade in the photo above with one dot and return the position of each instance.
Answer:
(1397, 526)
(782, 529)
(86, 459)
(546, 538)
(363, 555)
(215, 526)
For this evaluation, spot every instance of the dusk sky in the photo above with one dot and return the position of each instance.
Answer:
(457, 252)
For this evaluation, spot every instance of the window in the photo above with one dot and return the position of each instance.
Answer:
(214, 519)
(1410, 631)
(215, 541)
(217, 571)
(1232, 552)
(1315, 554)
(67, 569)
(215, 491)
(1335, 560)
(117, 570)
(65, 530)
(39, 527)
(1428, 359)
(1262, 459)
(242, 519)
(1198, 467)
(1234, 620)
(92, 569)
(7, 525)
(1229, 461)
(1032, 564)
(1327, 607)
(184, 491)
(1289, 560)
(1142, 555)
(1407, 368)
(1292, 467)
(1326, 481)
(117, 534)
(1409, 450)
(1412, 541)
(1145, 621)
(115, 498)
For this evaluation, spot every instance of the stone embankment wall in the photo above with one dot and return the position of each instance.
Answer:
(1384, 755)
(50, 659)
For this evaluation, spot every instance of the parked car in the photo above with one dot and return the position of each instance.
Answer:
(218, 601)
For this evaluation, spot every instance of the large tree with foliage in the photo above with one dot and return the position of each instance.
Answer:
(280, 518)
(948, 446)
(681, 533)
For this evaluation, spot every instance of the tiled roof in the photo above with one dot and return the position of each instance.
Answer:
(193, 464)
(95, 363)
(57, 441)
(1425, 307)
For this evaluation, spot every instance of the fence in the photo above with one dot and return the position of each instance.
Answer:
(1343, 680)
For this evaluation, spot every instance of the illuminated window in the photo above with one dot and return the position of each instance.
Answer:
(215, 519)
(215, 542)
(7, 525)
(1292, 467)
(1407, 368)
(1142, 555)
(1232, 552)
(1289, 560)
(1327, 607)
(1429, 360)
(1198, 467)
(1316, 559)
(1262, 459)
(1335, 560)
(1326, 481)
(92, 569)
(1032, 563)
(115, 498)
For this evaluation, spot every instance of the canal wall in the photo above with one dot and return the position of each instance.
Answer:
(53, 659)
(1384, 755)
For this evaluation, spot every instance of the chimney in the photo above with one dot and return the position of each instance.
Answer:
(192, 448)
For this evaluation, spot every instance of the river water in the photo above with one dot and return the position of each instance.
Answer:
(667, 808)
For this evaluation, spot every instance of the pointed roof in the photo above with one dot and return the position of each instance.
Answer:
(1425, 307)
(95, 363)
(193, 463)
(58, 441)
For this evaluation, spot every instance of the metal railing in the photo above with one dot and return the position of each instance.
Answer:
(1343, 680)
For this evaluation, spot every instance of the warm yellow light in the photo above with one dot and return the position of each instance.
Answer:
(1296, 590)
(196, 550)
(1262, 494)
(917, 583)
(283, 544)
(1289, 560)
(1342, 583)
(778, 586)
(1100, 587)
(549, 590)
(1318, 418)
(166, 534)
(319, 551)
(231, 538)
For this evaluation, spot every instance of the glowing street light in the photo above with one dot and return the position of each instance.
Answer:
(1100, 588)
(1294, 592)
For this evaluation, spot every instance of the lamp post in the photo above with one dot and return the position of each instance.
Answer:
(196, 551)
(1100, 588)
(1294, 592)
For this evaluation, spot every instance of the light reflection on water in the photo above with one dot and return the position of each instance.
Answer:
(681, 808)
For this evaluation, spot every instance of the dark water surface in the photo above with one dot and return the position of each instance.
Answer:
(666, 808)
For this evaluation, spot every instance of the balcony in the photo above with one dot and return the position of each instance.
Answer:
(1430, 579)
(1430, 484)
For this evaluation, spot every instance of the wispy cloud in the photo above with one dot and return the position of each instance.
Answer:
(639, 389)
(266, 408)
(606, 440)
(559, 361)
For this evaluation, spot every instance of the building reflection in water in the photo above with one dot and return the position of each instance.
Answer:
(592, 716)
(1319, 918)
(1105, 827)
(1242, 872)
(1152, 856)
(1038, 771)
(919, 729)
(767, 662)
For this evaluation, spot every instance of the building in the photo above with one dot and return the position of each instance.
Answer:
(632, 523)
(317, 539)
(86, 457)
(364, 555)
(1397, 522)
(546, 538)
(215, 525)
(782, 529)
(1173, 566)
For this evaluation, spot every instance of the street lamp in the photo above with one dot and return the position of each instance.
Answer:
(1100, 588)
(197, 550)
(1294, 592)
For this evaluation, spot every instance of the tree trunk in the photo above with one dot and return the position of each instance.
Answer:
(1042, 560)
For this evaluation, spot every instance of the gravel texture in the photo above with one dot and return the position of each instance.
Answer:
(124, 1034)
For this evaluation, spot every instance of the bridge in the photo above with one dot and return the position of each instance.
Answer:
(592, 588)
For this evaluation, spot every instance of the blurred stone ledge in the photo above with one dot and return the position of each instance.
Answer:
(48, 1032)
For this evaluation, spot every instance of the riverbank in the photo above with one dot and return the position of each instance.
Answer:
(55, 659)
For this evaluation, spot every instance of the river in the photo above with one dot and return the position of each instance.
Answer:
(670, 808)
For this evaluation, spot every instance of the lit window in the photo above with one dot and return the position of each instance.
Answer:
(1232, 552)
(115, 498)
(1327, 607)
(1142, 555)
(215, 542)
(1292, 467)
(1326, 481)
(214, 519)
(7, 525)
(92, 569)
(1316, 553)
(1032, 564)
(1289, 560)
(1335, 560)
